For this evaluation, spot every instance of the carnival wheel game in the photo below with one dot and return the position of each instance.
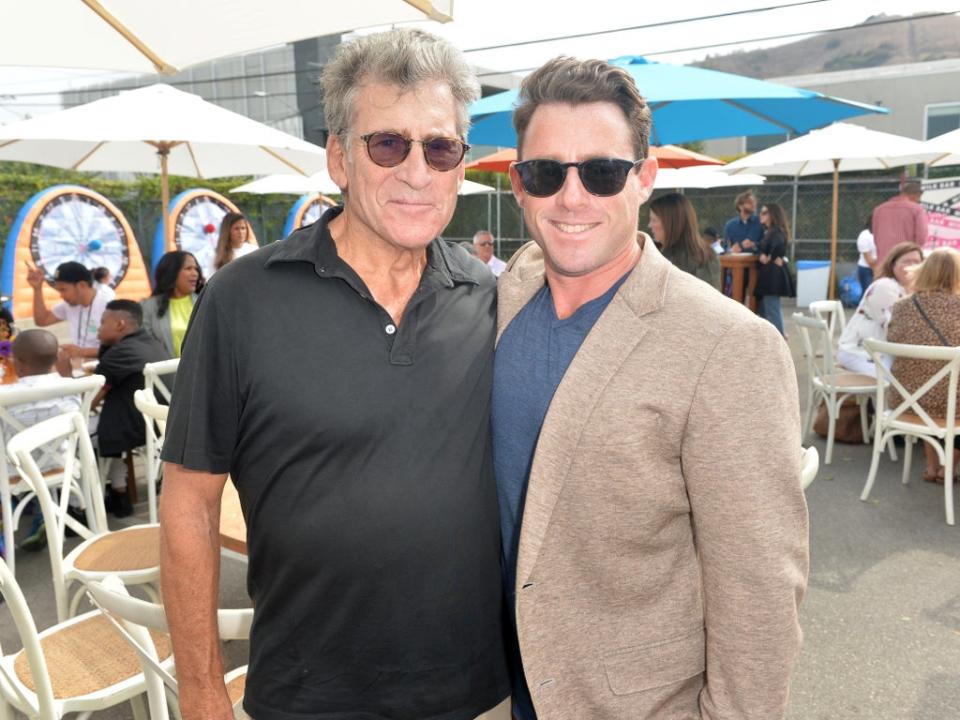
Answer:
(194, 219)
(305, 211)
(70, 223)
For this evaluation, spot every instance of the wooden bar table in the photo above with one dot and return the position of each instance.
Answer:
(740, 264)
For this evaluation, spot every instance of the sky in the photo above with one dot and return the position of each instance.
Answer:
(484, 23)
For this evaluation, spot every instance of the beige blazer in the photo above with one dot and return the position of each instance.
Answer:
(663, 551)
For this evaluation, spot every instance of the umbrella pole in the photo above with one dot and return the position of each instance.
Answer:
(831, 292)
(498, 214)
(163, 152)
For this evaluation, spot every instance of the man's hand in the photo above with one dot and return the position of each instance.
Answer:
(72, 351)
(735, 247)
(748, 245)
(35, 276)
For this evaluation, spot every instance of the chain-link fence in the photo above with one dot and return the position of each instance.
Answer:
(814, 203)
(499, 213)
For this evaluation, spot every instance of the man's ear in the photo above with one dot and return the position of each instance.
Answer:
(516, 185)
(648, 175)
(337, 161)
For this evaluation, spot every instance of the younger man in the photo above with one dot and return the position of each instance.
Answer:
(82, 306)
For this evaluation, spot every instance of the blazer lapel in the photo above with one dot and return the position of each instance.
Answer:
(617, 332)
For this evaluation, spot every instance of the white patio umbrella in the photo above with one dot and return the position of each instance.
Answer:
(840, 147)
(158, 129)
(703, 177)
(164, 37)
(288, 184)
(947, 147)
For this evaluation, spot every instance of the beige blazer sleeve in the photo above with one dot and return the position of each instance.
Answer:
(750, 522)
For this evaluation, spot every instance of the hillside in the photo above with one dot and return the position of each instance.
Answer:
(919, 39)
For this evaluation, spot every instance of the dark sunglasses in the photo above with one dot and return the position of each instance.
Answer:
(388, 149)
(600, 176)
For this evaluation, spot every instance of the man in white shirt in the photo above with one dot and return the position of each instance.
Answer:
(82, 306)
(483, 243)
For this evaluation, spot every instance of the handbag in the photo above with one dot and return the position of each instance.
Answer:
(848, 428)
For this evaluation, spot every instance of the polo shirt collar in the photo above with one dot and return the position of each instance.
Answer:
(315, 245)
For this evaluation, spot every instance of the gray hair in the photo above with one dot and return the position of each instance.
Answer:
(482, 233)
(402, 57)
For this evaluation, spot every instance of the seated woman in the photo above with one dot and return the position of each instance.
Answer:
(673, 222)
(166, 313)
(931, 316)
(873, 313)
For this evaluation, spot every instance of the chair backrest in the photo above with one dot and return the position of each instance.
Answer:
(809, 465)
(814, 333)
(830, 311)
(44, 706)
(85, 388)
(152, 373)
(69, 433)
(910, 401)
(151, 410)
(138, 617)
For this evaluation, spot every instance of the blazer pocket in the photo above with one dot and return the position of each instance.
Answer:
(656, 665)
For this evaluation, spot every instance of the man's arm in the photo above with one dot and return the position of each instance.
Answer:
(41, 315)
(190, 582)
(750, 522)
(75, 351)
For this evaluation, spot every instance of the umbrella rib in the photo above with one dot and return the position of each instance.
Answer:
(7, 142)
(126, 34)
(427, 8)
(762, 116)
(86, 157)
(193, 158)
(286, 162)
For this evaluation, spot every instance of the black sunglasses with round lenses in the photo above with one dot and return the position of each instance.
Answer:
(600, 176)
(388, 149)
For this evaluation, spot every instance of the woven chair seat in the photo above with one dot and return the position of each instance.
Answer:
(134, 549)
(236, 687)
(849, 380)
(914, 419)
(87, 656)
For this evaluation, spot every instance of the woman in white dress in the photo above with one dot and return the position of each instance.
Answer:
(873, 313)
(232, 242)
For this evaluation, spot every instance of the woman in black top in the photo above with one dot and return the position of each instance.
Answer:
(773, 280)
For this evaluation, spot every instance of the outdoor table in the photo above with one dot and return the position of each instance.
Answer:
(740, 264)
(233, 529)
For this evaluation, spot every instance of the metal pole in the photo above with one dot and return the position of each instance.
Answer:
(831, 291)
(489, 212)
(498, 215)
(793, 220)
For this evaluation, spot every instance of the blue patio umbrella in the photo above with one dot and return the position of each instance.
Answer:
(691, 103)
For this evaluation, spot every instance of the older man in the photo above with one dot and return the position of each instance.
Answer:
(655, 558)
(900, 219)
(348, 398)
(483, 244)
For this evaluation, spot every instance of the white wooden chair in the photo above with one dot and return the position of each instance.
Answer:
(154, 374)
(85, 388)
(140, 620)
(155, 419)
(831, 312)
(826, 383)
(78, 666)
(910, 419)
(809, 465)
(132, 553)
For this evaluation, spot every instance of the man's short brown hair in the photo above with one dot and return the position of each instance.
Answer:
(575, 82)
(743, 197)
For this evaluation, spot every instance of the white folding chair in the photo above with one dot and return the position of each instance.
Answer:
(825, 383)
(85, 388)
(831, 312)
(910, 419)
(809, 464)
(141, 619)
(155, 419)
(132, 553)
(153, 374)
(78, 666)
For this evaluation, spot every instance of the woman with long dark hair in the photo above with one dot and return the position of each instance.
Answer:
(675, 228)
(232, 242)
(166, 312)
(773, 279)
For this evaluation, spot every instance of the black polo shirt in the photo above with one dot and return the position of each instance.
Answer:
(361, 453)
